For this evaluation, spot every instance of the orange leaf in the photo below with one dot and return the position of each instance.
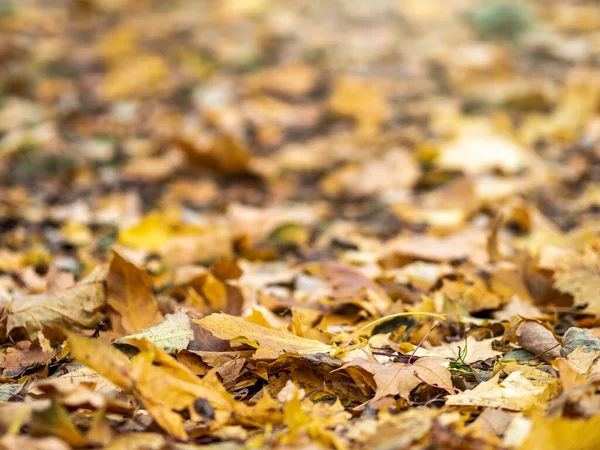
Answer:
(130, 296)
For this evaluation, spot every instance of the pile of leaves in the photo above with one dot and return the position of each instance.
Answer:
(298, 224)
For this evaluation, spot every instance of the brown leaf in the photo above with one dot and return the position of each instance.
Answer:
(80, 305)
(25, 355)
(129, 291)
(538, 339)
(401, 379)
(349, 284)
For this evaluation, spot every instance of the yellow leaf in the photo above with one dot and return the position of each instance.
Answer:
(137, 441)
(579, 275)
(215, 292)
(473, 154)
(516, 392)
(129, 291)
(361, 100)
(178, 242)
(103, 358)
(162, 383)
(139, 75)
(557, 433)
(269, 343)
(55, 421)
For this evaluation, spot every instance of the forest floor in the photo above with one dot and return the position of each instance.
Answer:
(303, 224)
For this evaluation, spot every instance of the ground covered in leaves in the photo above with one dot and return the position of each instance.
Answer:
(299, 224)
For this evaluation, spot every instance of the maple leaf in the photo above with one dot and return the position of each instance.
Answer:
(401, 379)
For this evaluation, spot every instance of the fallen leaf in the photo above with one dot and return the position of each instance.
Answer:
(349, 285)
(129, 293)
(141, 74)
(475, 153)
(9, 391)
(21, 442)
(293, 80)
(469, 352)
(579, 275)
(173, 333)
(25, 355)
(401, 379)
(575, 338)
(55, 421)
(558, 433)
(361, 100)
(269, 343)
(156, 378)
(137, 441)
(176, 241)
(80, 305)
(103, 358)
(538, 339)
(515, 393)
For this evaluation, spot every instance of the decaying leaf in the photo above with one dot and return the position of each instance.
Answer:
(173, 333)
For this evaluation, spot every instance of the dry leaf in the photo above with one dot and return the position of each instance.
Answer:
(557, 433)
(474, 154)
(579, 275)
(364, 101)
(129, 292)
(157, 379)
(269, 343)
(538, 339)
(401, 379)
(140, 75)
(80, 305)
(515, 393)
(173, 333)
(469, 352)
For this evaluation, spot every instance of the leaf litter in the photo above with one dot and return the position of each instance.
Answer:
(293, 224)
